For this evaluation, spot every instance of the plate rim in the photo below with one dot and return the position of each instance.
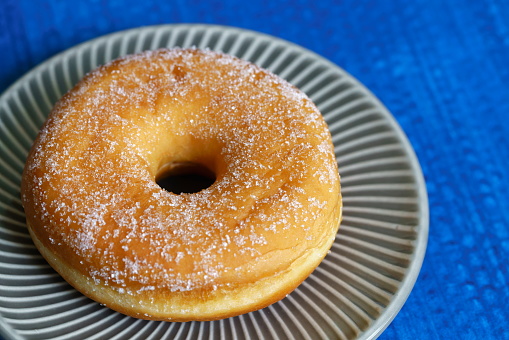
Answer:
(412, 272)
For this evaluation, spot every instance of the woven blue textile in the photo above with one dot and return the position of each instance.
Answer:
(441, 68)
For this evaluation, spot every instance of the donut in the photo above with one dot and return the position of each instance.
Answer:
(97, 214)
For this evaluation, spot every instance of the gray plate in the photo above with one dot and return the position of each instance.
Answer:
(357, 290)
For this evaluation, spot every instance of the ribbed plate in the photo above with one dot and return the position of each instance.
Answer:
(355, 292)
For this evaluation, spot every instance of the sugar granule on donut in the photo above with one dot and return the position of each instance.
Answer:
(97, 214)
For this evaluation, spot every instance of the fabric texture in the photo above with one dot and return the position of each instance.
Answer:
(440, 67)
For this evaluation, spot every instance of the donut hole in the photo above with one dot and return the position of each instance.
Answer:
(184, 177)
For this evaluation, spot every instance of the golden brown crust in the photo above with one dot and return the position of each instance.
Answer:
(97, 215)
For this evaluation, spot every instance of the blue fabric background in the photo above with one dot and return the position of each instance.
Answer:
(442, 69)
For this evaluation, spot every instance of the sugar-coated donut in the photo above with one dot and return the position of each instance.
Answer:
(98, 216)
